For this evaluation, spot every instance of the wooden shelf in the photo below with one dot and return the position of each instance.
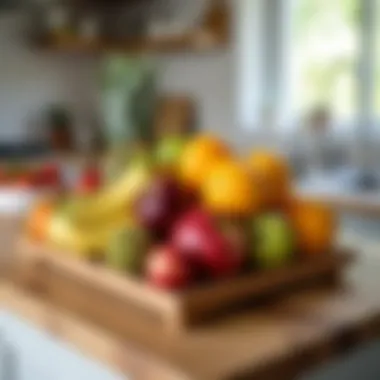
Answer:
(194, 42)
(212, 33)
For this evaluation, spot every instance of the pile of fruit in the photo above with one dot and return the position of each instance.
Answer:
(187, 211)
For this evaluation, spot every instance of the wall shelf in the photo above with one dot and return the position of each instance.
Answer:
(195, 42)
(212, 34)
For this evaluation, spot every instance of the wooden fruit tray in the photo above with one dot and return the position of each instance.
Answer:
(109, 298)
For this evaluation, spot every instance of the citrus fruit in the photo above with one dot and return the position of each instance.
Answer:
(199, 155)
(271, 174)
(314, 225)
(38, 220)
(228, 189)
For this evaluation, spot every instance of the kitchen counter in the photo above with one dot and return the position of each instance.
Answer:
(337, 188)
(38, 355)
(282, 340)
(286, 338)
(279, 341)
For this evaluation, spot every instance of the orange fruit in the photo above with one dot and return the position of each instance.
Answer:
(272, 176)
(315, 226)
(38, 220)
(199, 155)
(228, 189)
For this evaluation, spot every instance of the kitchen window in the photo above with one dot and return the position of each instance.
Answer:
(324, 47)
(317, 54)
(377, 72)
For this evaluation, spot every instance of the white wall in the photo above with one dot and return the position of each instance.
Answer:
(212, 78)
(209, 79)
(31, 79)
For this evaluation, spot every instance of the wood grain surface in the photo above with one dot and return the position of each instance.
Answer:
(276, 341)
(102, 294)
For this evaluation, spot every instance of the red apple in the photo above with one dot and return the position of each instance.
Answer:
(158, 208)
(236, 233)
(204, 246)
(48, 175)
(166, 269)
(90, 180)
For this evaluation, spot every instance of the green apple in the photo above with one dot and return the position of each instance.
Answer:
(272, 241)
(169, 150)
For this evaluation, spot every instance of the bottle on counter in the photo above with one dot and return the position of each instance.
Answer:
(60, 129)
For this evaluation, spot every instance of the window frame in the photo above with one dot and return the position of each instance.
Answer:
(275, 88)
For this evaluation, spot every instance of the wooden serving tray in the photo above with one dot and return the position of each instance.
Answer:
(109, 298)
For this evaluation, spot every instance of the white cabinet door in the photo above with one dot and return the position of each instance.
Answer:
(37, 356)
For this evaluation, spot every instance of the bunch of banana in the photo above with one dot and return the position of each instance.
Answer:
(117, 197)
(82, 242)
(84, 225)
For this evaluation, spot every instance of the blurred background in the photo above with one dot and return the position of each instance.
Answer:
(301, 77)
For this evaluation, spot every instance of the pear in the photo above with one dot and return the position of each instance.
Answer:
(127, 249)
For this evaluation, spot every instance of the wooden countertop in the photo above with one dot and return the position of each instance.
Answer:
(285, 338)
(277, 341)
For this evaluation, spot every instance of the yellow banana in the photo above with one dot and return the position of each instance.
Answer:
(65, 235)
(116, 199)
(84, 226)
